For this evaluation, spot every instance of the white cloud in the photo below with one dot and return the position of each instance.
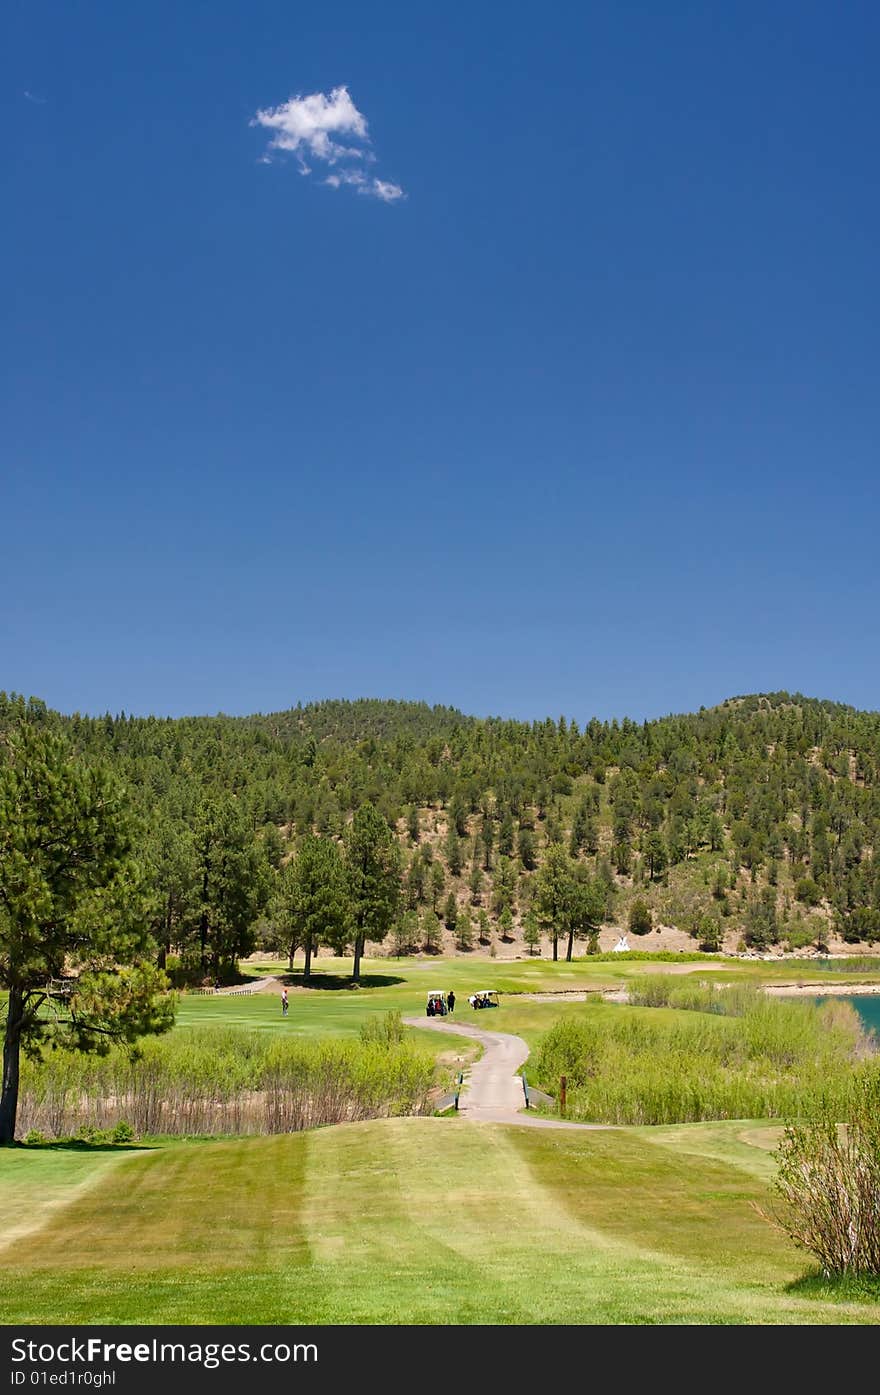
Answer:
(309, 128)
(377, 188)
(389, 193)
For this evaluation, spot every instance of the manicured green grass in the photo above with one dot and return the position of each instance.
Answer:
(413, 1220)
(331, 1006)
(35, 1183)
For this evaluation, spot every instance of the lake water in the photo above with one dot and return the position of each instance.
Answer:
(867, 1005)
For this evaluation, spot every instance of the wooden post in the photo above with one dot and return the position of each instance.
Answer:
(563, 1080)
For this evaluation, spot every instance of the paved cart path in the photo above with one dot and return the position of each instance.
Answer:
(493, 1092)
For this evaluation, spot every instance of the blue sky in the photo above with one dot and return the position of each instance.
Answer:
(585, 421)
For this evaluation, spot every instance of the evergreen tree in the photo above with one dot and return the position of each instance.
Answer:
(531, 932)
(527, 849)
(654, 853)
(234, 884)
(438, 882)
(170, 865)
(587, 911)
(621, 856)
(641, 918)
(406, 933)
(505, 924)
(72, 911)
(488, 838)
(464, 930)
(476, 886)
(372, 859)
(453, 852)
(450, 914)
(506, 836)
(554, 894)
(416, 878)
(432, 938)
(313, 904)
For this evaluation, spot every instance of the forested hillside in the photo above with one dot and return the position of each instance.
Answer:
(749, 824)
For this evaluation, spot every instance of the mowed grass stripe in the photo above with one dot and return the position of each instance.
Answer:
(415, 1220)
(548, 1247)
(35, 1184)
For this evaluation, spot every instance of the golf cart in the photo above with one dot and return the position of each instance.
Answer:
(484, 998)
(437, 1005)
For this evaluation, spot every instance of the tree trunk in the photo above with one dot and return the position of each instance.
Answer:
(11, 1055)
(203, 920)
(570, 944)
(307, 966)
(165, 946)
(358, 951)
(203, 939)
(555, 953)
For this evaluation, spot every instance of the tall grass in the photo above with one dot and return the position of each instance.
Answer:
(767, 1059)
(857, 963)
(695, 995)
(224, 1081)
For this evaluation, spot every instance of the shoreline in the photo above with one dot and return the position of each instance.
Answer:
(820, 990)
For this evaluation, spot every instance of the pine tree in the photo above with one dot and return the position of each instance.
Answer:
(73, 911)
(372, 858)
(506, 836)
(453, 852)
(488, 836)
(464, 930)
(531, 932)
(438, 882)
(450, 914)
(432, 937)
(485, 927)
(312, 903)
(527, 849)
(505, 924)
(476, 886)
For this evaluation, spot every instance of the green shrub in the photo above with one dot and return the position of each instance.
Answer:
(798, 934)
(641, 918)
(807, 891)
(388, 1029)
(828, 1182)
(225, 1081)
(707, 932)
(724, 1054)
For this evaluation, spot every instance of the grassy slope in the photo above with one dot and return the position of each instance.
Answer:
(414, 1220)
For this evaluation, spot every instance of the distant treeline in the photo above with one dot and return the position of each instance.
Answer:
(771, 802)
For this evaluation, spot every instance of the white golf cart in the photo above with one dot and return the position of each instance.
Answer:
(484, 998)
(436, 1006)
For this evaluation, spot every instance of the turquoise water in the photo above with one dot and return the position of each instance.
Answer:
(867, 1005)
